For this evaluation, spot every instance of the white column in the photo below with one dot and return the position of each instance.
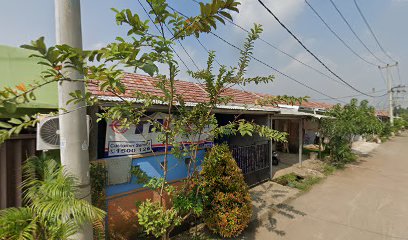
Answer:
(73, 126)
(270, 149)
(300, 140)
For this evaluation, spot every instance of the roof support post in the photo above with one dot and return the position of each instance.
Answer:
(300, 140)
(270, 148)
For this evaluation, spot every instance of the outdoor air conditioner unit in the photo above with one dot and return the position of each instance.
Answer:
(48, 136)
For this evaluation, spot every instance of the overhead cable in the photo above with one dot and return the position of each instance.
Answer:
(371, 31)
(310, 52)
(267, 65)
(337, 36)
(354, 33)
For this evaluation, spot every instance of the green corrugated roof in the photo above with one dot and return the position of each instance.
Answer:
(16, 67)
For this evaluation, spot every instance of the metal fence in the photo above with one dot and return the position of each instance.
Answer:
(13, 153)
(254, 162)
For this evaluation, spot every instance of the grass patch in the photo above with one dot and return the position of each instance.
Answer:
(298, 182)
(329, 169)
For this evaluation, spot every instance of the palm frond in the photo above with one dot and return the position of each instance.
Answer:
(17, 224)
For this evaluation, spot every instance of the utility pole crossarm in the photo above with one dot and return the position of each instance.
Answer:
(390, 90)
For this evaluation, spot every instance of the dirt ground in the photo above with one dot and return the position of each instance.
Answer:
(367, 200)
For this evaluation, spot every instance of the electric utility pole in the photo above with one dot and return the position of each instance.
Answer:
(389, 90)
(73, 125)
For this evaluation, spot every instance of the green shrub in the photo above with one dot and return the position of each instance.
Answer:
(341, 152)
(386, 131)
(155, 219)
(287, 179)
(227, 208)
(328, 169)
(295, 181)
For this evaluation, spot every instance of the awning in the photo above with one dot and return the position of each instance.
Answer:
(295, 113)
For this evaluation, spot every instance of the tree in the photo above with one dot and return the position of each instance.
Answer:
(348, 121)
(52, 210)
(143, 50)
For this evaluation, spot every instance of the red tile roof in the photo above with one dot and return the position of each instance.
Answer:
(191, 92)
(382, 113)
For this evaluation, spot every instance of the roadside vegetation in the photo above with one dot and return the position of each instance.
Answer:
(349, 121)
(295, 181)
(227, 212)
(52, 210)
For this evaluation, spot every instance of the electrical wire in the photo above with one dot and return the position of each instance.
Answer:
(354, 32)
(371, 31)
(151, 19)
(310, 52)
(273, 46)
(337, 36)
(355, 95)
(399, 74)
(276, 70)
(265, 64)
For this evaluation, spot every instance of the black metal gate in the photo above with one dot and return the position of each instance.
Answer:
(254, 162)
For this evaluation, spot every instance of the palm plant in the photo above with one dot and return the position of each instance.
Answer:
(52, 209)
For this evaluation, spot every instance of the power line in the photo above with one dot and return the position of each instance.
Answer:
(267, 65)
(273, 68)
(399, 74)
(371, 31)
(354, 32)
(310, 52)
(382, 76)
(178, 40)
(355, 95)
(337, 36)
(148, 15)
(272, 46)
(285, 53)
(208, 51)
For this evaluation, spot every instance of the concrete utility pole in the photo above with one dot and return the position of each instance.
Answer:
(73, 125)
(389, 90)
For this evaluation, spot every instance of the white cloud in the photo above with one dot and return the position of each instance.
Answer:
(97, 45)
(252, 12)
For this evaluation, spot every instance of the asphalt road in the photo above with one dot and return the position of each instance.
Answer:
(365, 201)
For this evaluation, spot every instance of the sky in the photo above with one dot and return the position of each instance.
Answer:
(24, 20)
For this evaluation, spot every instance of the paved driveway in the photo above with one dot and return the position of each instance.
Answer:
(366, 201)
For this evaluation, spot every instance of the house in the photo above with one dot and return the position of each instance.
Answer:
(17, 68)
(120, 150)
(383, 115)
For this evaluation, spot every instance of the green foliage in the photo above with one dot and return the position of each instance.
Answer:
(275, 100)
(348, 121)
(294, 181)
(142, 50)
(99, 181)
(228, 207)
(52, 210)
(190, 199)
(328, 169)
(399, 124)
(155, 219)
(15, 125)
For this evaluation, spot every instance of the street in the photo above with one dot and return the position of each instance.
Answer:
(368, 200)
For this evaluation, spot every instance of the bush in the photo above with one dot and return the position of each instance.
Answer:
(227, 208)
(341, 152)
(295, 181)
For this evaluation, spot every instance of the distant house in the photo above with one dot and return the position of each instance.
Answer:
(383, 115)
